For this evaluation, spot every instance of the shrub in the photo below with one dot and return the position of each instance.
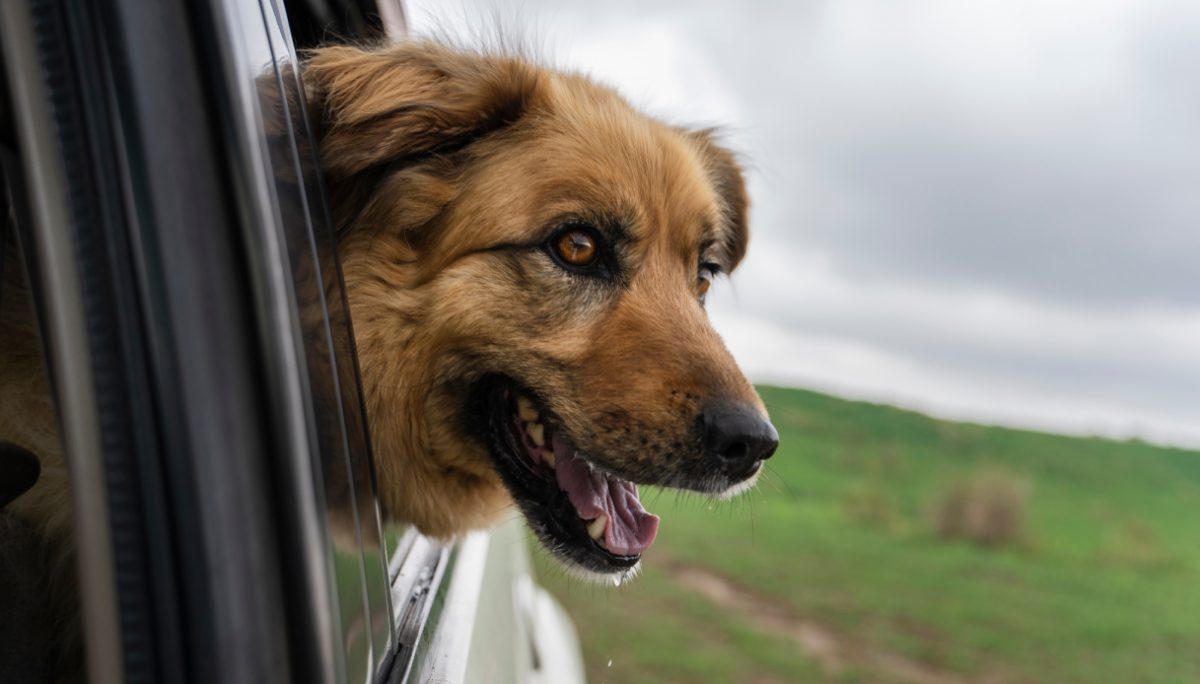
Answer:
(986, 507)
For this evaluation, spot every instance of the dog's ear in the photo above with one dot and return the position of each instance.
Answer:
(410, 101)
(727, 178)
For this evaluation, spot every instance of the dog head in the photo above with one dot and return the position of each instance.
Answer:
(526, 259)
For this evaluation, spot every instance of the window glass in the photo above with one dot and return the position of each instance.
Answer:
(342, 355)
(338, 431)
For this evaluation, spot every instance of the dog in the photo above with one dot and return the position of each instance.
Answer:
(526, 279)
(526, 259)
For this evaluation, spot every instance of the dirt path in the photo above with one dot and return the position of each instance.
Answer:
(833, 651)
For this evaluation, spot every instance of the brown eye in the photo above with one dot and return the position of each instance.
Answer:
(576, 247)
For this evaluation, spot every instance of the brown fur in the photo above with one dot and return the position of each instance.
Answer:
(446, 171)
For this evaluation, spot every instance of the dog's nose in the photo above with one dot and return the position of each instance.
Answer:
(737, 434)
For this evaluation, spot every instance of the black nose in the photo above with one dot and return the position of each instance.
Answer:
(737, 434)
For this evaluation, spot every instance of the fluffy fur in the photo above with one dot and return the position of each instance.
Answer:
(447, 171)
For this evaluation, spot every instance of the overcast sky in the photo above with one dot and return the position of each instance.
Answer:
(984, 210)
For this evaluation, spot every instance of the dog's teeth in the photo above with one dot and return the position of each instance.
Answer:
(537, 432)
(525, 409)
(548, 456)
(596, 527)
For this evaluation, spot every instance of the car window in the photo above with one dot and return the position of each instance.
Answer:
(342, 470)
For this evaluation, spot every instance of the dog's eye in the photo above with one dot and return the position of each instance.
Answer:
(576, 248)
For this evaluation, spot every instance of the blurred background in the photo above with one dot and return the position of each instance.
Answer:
(971, 302)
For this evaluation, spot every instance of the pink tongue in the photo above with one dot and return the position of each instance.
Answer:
(630, 529)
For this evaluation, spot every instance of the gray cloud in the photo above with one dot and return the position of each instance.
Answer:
(1070, 174)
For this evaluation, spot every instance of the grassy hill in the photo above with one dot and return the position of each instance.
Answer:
(840, 566)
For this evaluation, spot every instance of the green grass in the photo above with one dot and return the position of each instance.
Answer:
(1103, 586)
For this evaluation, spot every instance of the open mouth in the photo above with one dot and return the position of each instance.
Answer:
(581, 512)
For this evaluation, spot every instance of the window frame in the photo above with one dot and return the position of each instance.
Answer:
(132, 233)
